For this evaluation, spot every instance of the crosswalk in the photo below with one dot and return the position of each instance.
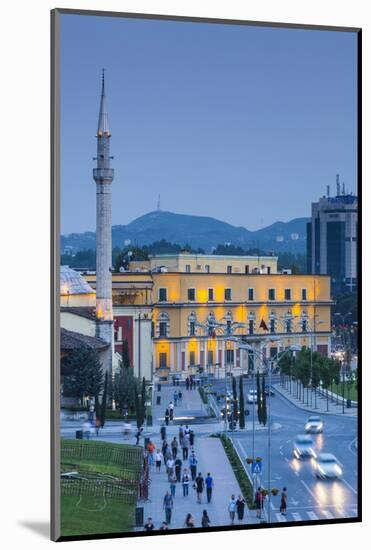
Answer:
(309, 515)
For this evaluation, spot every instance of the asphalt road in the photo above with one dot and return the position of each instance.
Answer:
(308, 497)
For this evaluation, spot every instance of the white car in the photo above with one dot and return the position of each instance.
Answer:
(304, 447)
(327, 467)
(252, 396)
(314, 425)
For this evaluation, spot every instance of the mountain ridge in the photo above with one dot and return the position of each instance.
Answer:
(197, 231)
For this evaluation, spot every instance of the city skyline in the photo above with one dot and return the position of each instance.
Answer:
(201, 116)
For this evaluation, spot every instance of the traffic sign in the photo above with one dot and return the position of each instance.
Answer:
(256, 467)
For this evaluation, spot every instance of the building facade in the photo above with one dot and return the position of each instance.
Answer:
(332, 240)
(181, 322)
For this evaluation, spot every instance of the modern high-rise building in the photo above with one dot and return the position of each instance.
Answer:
(332, 239)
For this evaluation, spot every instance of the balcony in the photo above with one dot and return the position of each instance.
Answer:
(102, 174)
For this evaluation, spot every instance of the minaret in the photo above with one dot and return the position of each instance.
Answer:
(103, 176)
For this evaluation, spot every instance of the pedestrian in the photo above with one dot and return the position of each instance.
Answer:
(259, 502)
(168, 453)
(240, 506)
(98, 426)
(171, 410)
(199, 486)
(189, 521)
(187, 383)
(167, 505)
(175, 396)
(186, 430)
(167, 416)
(164, 526)
(149, 525)
(232, 509)
(174, 447)
(158, 460)
(205, 520)
(86, 428)
(283, 505)
(138, 434)
(191, 438)
(170, 468)
(180, 395)
(173, 485)
(181, 435)
(185, 446)
(178, 468)
(151, 452)
(193, 465)
(209, 482)
(191, 383)
(185, 482)
(163, 432)
(164, 447)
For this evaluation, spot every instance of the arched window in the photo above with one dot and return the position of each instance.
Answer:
(163, 326)
(211, 324)
(304, 321)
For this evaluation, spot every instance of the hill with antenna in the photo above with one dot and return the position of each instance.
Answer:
(197, 231)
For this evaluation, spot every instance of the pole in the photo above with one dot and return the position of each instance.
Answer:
(269, 439)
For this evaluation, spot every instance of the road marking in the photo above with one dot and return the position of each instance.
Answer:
(350, 487)
(296, 516)
(311, 492)
(312, 516)
(327, 514)
(351, 444)
(280, 518)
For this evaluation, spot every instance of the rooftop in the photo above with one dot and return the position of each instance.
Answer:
(74, 340)
(72, 282)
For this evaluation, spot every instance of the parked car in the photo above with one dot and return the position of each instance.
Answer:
(252, 396)
(327, 467)
(314, 425)
(304, 447)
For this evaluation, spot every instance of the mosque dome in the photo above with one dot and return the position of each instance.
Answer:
(73, 283)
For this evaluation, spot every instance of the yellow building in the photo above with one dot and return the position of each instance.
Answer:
(182, 320)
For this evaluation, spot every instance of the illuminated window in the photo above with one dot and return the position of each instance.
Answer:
(210, 294)
(287, 293)
(191, 294)
(162, 294)
(227, 294)
(271, 294)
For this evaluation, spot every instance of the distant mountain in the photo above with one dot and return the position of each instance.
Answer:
(199, 232)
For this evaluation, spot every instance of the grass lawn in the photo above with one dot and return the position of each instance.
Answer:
(353, 393)
(84, 515)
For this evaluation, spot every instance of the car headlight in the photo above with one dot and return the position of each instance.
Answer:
(321, 470)
(320, 426)
(307, 426)
(338, 470)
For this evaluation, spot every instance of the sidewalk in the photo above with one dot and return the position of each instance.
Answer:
(211, 458)
(333, 408)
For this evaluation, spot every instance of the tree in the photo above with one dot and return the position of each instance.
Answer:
(325, 376)
(102, 414)
(235, 405)
(125, 353)
(258, 397)
(82, 374)
(124, 389)
(242, 404)
(264, 403)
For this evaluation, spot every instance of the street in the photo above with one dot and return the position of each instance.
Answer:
(308, 497)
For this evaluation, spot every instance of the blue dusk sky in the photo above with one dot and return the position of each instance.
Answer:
(245, 124)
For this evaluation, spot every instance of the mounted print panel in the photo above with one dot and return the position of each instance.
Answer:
(206, 363)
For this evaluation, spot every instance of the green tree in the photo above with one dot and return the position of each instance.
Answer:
(82, 374)
(242, 405)
(325, 376)
(124, 389)
(125, 353)
(264, 403)
(235, 405)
